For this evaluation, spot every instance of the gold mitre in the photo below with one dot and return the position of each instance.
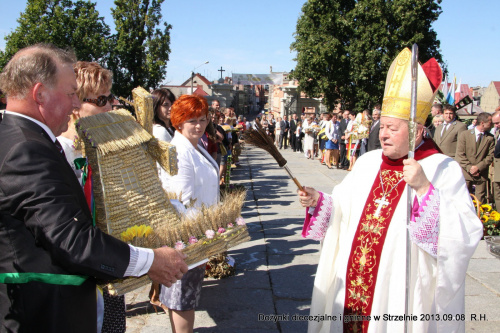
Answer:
(397, 94)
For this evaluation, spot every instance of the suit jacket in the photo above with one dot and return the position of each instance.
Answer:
(46, 227)
(496, 160)
(293, 125)
(285, 126)
(342, 128)
(373, 139)
(467, 155)
(431, 129)
(448, 141)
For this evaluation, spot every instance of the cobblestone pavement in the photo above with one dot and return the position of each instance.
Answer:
(275, 269)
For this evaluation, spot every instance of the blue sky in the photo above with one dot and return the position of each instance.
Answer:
(251, 36)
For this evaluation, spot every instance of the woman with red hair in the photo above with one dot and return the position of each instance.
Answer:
(198, 181)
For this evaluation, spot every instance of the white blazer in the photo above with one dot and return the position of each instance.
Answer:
(198, 175)
(332, 130)
(161, 133)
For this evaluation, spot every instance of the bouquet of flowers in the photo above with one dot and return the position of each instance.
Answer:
(314, 129)
(489, 217)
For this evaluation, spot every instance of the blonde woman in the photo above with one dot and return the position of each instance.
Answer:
(277, 132)
(94, 90)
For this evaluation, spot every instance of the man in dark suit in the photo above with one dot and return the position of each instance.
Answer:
(475, 152)
(51, 252)
(446, 134)
(436, 109)
(496, 162)
(373, 139)
(285, 128)
(293, 128)
(343, 162)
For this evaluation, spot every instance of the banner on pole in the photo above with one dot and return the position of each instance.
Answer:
(255, 79)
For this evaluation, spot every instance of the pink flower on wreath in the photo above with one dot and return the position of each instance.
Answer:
(193, 240)
(240, 221)
(221, 230)
(180, 245)
(230, 225)
(210, 234)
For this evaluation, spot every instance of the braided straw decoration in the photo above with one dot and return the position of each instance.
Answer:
(208, 218)
(143, 103)
(165, 154)
(128, 192)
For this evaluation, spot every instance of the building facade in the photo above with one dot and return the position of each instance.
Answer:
(491, 97)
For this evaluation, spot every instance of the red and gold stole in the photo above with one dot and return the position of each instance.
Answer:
(368, 242)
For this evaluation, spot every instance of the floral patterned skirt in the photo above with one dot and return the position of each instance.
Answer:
(184, 294)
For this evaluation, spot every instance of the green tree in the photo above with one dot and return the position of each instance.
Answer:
(62, 23)
(322, 41)
(140, 49)
(358, 44)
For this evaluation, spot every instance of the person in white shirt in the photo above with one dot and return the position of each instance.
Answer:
(163, 100)
(332, 144)
(277, 132)
(473, 124)
(247, 123)
(197, 181)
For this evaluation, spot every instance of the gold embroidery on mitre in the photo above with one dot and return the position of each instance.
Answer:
(397, 94)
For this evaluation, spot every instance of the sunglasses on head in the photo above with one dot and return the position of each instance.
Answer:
(101, 100)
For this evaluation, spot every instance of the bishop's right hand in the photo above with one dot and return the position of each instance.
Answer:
(168, 266)
(308, 197)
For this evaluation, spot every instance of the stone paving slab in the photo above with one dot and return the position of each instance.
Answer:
(292, 246)
(292, 312)
(481, 306)
(218, 300)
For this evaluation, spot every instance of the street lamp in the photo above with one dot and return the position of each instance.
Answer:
(192, 74)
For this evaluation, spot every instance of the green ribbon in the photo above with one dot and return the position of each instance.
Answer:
(62, 279)
(81, 163)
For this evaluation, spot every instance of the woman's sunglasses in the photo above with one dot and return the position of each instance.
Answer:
(101, 100)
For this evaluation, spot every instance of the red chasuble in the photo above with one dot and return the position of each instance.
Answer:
(368, 241)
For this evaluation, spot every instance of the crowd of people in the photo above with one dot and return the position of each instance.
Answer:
(475, 147)
(337, 139)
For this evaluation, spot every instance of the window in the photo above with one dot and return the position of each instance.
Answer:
(129, 179)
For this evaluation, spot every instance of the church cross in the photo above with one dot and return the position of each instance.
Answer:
(381, 202)
(221, 70)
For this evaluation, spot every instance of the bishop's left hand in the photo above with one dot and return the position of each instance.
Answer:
(414, 176)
